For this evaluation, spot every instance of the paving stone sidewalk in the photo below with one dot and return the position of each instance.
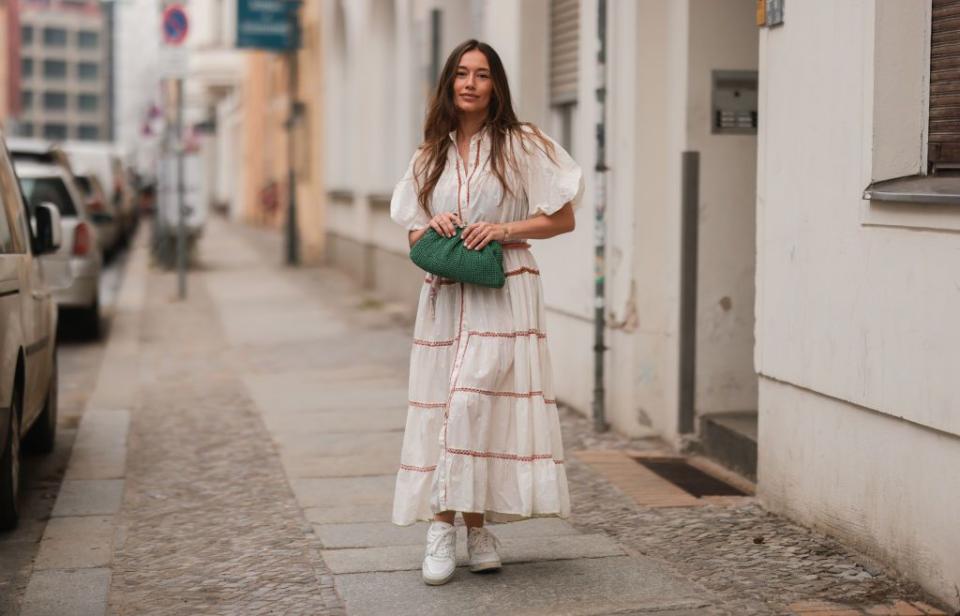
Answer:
(248, 440)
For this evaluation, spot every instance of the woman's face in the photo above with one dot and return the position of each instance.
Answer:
(472, 85)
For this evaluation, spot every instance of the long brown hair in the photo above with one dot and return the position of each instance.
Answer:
(444, 117)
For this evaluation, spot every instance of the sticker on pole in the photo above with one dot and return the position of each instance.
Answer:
(175, 24)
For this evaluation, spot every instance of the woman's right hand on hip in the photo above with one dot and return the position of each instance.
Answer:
(446, 224)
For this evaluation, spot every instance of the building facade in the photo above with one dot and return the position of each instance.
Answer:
(9, 62)
(66, 72)
(758, 308)
(271, 85)
(858, 217)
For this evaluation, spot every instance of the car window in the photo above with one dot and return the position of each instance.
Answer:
(12, 221)
(6, 238)
(51, 189)
(83, 183)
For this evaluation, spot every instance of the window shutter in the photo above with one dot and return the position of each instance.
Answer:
(944, 129)
(564, 49)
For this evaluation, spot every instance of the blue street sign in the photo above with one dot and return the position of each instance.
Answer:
(268, 24)
(174, 25)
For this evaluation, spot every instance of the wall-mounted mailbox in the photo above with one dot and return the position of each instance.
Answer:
(734, 102)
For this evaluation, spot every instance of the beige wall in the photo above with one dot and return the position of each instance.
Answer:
(265, 104)
(4, 67)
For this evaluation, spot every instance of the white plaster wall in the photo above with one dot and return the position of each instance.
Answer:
(723, 36)
(880, 484)
(566, 261)
(660, 134)
(857, 341)
(857, 312)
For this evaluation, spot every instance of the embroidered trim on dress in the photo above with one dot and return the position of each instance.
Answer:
(517, 334)
(427, 405)
(503, 456)
(434, 343)
(522, 270)
(422, 469)
(508, 394)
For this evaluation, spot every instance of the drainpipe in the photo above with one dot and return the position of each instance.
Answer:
(600, 230)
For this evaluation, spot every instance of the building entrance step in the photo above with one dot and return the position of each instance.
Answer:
(731, 439)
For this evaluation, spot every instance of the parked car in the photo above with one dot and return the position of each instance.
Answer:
(28, 325)
(80, 248)
(102, 160)
(101, 212)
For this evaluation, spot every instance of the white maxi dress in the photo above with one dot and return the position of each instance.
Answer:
(482, 431)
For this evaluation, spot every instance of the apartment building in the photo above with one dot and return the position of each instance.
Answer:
(66, 73)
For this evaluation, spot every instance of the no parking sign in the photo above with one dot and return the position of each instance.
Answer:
(175, 26)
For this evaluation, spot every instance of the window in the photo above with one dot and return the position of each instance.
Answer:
(55, 131)
(26, 35)
(87, 71)
(87, 39)
(56, 69)
(25, 129)
(54, 101)
(89, 132)
(26, 67)
(6, 238)
(943, 141)
(52, 189)
(564, 49)
(564, 67)
(54, 37)
(88, 102)
(26, 99)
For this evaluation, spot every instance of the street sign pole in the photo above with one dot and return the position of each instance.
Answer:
(181, 205)
(175, 28)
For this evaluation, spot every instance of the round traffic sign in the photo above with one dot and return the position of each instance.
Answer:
(175, 24)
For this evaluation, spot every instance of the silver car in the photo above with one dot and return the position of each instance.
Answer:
(45, 183)
(28, 340)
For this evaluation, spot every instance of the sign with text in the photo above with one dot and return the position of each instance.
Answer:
(268, 24)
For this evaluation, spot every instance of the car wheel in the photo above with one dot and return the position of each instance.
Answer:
(90, 317)
(43, 435)
(10, 470)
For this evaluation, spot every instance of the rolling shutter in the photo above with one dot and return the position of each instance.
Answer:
(564, 49)
(944, 129)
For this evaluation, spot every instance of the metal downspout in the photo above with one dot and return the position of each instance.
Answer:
(600, 232)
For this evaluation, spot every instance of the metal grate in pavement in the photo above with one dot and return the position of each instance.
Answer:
(648, 488)
(689, 478)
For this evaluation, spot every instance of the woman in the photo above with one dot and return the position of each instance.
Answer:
(482, 434)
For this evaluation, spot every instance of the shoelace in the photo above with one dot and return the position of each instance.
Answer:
(439, 544)
(484, 540)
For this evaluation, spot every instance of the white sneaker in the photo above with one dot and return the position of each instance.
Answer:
(440, 559)
(482, 547)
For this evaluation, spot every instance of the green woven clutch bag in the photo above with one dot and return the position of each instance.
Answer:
(449, 258)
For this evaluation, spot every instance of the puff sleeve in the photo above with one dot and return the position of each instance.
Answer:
(550, 184)
(405, 210)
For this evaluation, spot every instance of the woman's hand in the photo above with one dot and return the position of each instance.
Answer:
(446, 224)
(479, 234)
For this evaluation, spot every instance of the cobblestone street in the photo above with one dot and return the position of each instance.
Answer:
(236, 456)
